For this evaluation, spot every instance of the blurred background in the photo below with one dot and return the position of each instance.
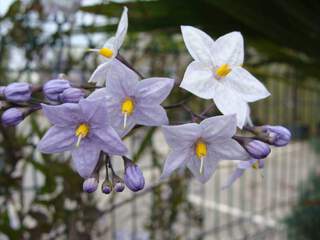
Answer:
(41, 196)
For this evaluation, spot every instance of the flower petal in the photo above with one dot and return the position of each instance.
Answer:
(85, 158)
(150, 115)
(98, 94)
(218, 127)
(109, 141)
(199, 44)
(246, 85)
(229, 102)
(182, 136)
(122, 28)
(232, 178)
(246, 164)
(199, 80)
(153, 90)
(57, 139)
(95, 111)
(99, 75)
(228, 49)
(176, 159)
(228, 149)
(62, 115)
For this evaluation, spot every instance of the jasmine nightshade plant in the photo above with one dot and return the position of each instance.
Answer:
(242, 167)
(217, 73)
(131, 101)
(200, 147)
(110, 50)
(83, 129)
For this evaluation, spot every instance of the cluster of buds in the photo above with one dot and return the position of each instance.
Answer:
(133, 178)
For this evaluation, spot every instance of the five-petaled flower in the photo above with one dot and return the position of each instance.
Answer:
(200, 147)
(217, 73)
(83, 129)
(131, 101)
(110, 50)
(242, 166)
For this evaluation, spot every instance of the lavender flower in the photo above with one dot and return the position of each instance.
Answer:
(242, 166)
(200, 147)
(277, 135)
(83, 129)
(12, 117)
(53, 88)
(133, 176)
(71, 95)
(90, 185)
(131, 101)
(255, 148)
(18, 92)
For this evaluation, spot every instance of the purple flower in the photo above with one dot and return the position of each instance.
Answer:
(18, 92)
(277, 135)
(83, 129)
(133, 176)
(242, 166)
(53, 88)
(200, 147)
(106, 187)
(71, 95)
(255, 148)
(131, 101)
(12, 117)
(90, 185)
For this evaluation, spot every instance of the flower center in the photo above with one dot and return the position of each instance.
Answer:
(201, 152)
(106, 52)
(127, 109)
(223, 70)
(81, 132)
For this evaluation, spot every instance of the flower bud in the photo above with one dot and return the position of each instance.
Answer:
(255, 148)
(18, 92)
(133, 176)
(12, 117)
(53, 88)
(106, 187)
(277, 135)
(71, 95)
(117, 182)
(90, 185)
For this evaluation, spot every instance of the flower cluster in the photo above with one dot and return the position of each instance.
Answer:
(92, 125)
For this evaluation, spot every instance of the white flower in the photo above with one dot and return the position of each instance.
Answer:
(110, 50)
(67, 7)
(216, 72)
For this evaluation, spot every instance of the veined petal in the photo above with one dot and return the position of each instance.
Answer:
(246, 85)
(109, 141)
(150, 115)
(57, 139)
(62, 115)
(230, 102)
(99, 75)
(85, 158)
(218, 127)
(95, 111)
(153, 90)
(228, 149)
(199, 80)
(229, 50)
(122, 28)
(175, 160)
(98, 94)
(199, 44)
(182, 136)
(233, 177)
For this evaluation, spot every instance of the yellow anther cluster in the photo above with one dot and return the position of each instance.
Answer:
(83, 130)
(201, 149)
(223, 70)
(127, 106)
(106, 52)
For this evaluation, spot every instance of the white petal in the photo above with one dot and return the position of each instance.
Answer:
(199, 80)
(229, 49)
(229, 102)
(199, 44)
(246, 85)
(122, 28)
(99, 76)
(228, 149)
(175, 160)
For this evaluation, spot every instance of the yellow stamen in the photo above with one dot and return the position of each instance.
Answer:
(223, 70)
(127, 109)
(106, 52)
(255, 165)
(81, 132)
(201, 152)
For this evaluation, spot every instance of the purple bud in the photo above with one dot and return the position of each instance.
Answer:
(117, 182)
(277, 135)
(71, 95)
(53, 88)
(106, 187)
(255, 148)
(90, 185)
(12, 117)
(133, 176)
(18, 92)
(261, 163)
